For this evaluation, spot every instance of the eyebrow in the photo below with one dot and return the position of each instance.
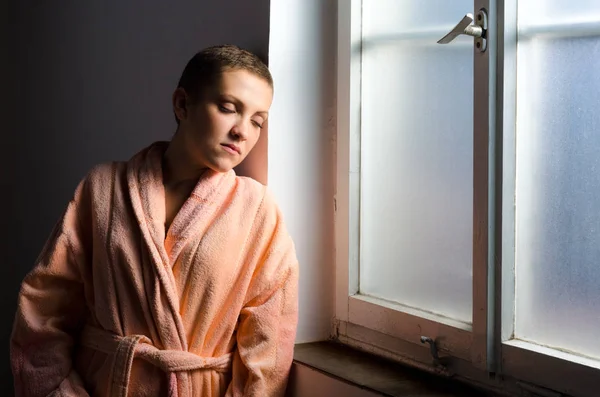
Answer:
(237, 102)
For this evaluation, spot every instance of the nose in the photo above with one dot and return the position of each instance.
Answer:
(240, 130)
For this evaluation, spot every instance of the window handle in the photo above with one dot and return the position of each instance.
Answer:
(433, 350)
(465, 26)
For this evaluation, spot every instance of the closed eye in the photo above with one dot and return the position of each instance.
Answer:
(257, 124)
(225, 109)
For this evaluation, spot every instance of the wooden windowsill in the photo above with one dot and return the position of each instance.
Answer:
(377, 374)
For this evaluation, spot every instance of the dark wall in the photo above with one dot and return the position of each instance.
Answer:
(83, 82)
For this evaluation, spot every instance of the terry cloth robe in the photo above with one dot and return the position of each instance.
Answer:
(115, 306)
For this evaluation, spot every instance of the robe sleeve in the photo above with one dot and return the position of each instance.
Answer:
(267, 323)
(50, 311)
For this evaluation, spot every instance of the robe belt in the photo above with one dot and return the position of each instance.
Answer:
(125, 348)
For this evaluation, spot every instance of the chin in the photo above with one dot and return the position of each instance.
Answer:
(221, 167)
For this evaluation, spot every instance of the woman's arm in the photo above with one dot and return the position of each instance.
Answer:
(267, 323)
(51, 309)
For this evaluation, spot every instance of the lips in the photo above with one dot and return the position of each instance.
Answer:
(231, 148)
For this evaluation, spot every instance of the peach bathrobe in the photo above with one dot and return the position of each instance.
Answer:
(114, 307)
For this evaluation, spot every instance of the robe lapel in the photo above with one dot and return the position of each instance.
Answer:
(199, 211)
(144, 177)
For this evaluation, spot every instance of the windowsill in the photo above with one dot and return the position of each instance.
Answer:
(376, 374)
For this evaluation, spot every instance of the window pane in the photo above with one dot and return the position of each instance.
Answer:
(558, 182)
(416, 156)
(541, 12)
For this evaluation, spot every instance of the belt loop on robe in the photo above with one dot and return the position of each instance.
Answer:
(125, 348)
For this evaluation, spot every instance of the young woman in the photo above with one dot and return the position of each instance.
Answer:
(168, 275)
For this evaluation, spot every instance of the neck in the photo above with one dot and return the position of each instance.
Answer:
(178, 165)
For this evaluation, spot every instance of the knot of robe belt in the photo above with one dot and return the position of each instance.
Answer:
(125, 348)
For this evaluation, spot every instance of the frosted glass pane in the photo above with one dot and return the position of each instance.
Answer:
(386, 17)
(558, 190)
(535, 12)
(416, 158)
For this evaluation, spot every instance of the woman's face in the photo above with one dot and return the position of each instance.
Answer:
(222, 126)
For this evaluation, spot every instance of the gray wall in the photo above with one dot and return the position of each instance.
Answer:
(87, 82)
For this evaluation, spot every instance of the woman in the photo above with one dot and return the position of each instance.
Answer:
(168, 274)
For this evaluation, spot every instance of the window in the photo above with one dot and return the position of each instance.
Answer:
(468, 208)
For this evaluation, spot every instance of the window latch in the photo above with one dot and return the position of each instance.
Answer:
(433, 349)
(465, 26)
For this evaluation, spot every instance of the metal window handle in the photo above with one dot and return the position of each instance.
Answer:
(477, 30)
(432, 348)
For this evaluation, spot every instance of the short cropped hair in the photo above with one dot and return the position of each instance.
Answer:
(203, 70)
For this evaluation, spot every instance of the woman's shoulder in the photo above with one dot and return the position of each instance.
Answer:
(98, 178)
(255, 191)
(259, 196)
(104, 172)
(250, 185)
(103, 175)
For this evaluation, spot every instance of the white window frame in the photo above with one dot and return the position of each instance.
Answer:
(392, 330)
(358, 315)
(522, 360)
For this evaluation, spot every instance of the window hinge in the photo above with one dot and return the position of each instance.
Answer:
(335, 329)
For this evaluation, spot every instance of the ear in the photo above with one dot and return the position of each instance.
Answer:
(180, 104)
